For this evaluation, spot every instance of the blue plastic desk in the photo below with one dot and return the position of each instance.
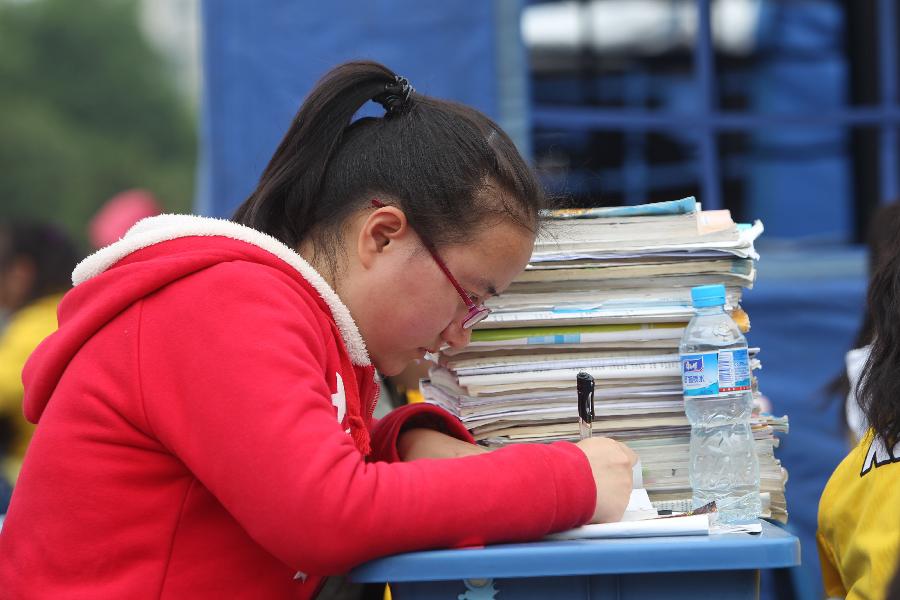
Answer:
(712, 567)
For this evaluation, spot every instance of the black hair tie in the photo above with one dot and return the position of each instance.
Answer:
(396, 95)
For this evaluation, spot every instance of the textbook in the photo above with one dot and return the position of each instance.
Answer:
(670, 207)
(607, 291)
(562, 243)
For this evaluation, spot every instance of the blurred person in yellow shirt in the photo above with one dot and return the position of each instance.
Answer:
(859, 528)
(36, 262)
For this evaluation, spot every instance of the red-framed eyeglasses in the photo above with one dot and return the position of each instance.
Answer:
(476, 312)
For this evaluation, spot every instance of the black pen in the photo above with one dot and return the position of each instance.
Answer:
(585, 385)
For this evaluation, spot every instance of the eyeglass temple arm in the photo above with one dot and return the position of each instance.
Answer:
(462, 293)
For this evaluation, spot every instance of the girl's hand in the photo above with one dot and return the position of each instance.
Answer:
(612, 466)
(414, 444)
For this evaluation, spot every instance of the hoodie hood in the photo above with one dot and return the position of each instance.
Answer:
(149, 257)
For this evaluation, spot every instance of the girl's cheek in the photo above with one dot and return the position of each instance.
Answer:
(438, 311)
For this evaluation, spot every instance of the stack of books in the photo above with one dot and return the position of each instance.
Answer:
(608, 292)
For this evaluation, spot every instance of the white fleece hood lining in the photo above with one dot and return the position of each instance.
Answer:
(162, 228)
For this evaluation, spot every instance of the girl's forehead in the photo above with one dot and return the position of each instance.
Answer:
(494, 255)
(504, 235)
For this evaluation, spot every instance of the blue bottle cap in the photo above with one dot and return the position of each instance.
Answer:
(708, 295)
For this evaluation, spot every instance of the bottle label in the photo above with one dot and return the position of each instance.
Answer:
(709, 374)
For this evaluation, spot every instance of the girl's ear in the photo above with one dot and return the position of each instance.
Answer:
(385, 226)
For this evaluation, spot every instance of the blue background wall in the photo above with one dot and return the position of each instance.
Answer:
(261, 58)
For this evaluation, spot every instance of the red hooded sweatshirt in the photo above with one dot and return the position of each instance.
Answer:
(205, 431)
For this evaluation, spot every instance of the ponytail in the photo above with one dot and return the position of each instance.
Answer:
(283, 203)
(447, 166)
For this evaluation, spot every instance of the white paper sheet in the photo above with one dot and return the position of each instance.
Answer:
(670, 526)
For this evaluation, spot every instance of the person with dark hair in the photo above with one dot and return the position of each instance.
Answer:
(36, 261)
(859, 529)
(882, 230)
(205, 409)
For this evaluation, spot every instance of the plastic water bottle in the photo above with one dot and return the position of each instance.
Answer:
(715, 379)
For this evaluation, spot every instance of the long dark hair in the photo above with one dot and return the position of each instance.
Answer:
(882, 230)
(448, 167)
(878, 390)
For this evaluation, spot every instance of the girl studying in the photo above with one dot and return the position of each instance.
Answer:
(205, 409)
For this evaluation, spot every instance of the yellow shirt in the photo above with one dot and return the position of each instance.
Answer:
(26, 329)
(859, 528)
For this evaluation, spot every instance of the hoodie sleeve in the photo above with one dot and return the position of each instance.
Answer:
(386, 431)
(232, 365)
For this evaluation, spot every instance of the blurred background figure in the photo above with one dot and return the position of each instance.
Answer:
(36, 262)
(884, 232)
(97, 97)
(118, 215)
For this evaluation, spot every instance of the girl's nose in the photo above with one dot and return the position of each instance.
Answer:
(456, 335)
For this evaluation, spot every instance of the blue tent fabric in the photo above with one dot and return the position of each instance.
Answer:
(262, 58)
